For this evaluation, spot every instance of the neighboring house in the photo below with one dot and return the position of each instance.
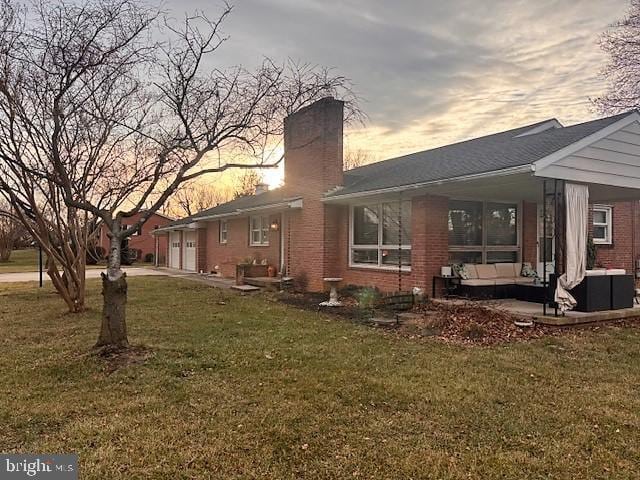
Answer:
(395, 223)
(143, 241)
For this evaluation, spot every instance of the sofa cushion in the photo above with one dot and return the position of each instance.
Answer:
(595, 273)
(470, 268)
(479, 282)
(507, 270)
(505, 281)
(486, 271)
(524, 280)
(616, 271)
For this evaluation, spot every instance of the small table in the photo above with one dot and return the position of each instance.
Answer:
(333, 295)
(449, 282)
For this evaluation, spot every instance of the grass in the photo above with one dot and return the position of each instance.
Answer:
(27, 261)
(243, 387)
(21, 261)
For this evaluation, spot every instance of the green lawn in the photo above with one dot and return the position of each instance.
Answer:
(254, 389)
(27, 261)
(21, 261)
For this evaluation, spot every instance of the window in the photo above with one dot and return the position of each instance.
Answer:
(259, 231)
(223, 231)
(483, 232)
(602, 224)
(190, 244)
(381, 235)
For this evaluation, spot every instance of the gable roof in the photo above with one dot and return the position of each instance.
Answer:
(486, 154)
(492, 153)
(237, 206)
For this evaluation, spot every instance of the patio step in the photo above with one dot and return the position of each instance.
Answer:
(273, 283)
(245, 288)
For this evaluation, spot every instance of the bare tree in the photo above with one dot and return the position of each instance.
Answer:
(93, 105)
(245, 184)
(622, 43)
(10, 232)
(356, 158)
(193, 197)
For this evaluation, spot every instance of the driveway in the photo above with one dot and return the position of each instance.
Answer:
(90, 273)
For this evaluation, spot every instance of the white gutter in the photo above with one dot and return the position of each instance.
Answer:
(415, 186)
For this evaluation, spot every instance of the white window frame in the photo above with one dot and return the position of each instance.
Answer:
(608, 224)
(263, 228)
(485, 249)
(380, 246)
(223, 231)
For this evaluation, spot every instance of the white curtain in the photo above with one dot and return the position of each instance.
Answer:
(577, 215)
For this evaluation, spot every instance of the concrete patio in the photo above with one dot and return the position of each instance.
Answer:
(534, 311)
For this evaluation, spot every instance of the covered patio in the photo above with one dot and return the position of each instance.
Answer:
(605, 166)
(534, 312)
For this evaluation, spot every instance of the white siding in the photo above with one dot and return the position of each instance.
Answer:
(612, 160)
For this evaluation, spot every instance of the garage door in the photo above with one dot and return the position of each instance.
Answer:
(190, 251)
(174, 250)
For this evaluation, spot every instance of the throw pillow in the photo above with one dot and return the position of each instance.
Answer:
(460, 271)
(528, 271)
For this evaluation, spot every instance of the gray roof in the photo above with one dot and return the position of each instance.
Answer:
(480, 155)
(271, 197)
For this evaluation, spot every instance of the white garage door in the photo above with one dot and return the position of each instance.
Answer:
(190, 251)
(174, 250)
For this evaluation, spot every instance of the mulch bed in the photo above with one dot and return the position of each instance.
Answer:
(469, 323)
(459, 322)
(311, 301)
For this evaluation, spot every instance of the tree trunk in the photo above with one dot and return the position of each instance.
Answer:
(5, 254)
(113, 332)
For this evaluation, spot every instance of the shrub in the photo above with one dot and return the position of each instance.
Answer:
(129, 255)
(367, 298)
(95, 253)
(148, 258)
(592, 253)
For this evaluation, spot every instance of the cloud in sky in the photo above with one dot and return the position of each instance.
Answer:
(433, 72)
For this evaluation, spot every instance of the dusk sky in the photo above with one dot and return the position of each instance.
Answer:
(433, 72)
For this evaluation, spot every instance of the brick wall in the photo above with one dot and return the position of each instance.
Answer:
(227, 256)
(201, 249)
(313, 166)
(625, 237)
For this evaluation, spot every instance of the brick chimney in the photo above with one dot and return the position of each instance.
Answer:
(312, 167)
(313, 147)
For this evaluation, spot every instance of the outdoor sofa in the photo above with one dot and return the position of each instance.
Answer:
(497, 280)
(602, 289)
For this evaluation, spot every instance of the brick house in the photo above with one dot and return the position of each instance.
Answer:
(395, 223)
(143, 241)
